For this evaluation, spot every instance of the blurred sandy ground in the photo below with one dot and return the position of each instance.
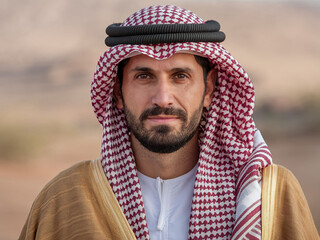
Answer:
(48, 53)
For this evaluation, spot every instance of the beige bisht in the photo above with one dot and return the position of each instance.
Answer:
(285, 212)
(79, 204)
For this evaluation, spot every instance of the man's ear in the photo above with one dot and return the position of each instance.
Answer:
(212, 77)
(117, 94)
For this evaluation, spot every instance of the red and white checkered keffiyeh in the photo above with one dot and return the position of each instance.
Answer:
(226, 139)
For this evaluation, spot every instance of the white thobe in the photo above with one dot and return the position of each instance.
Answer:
(168, 205)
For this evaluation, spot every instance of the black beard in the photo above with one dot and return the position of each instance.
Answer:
(162, 139)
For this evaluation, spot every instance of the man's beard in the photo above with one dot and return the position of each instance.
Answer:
(163, 138)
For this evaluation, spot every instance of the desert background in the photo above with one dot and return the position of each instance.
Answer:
(48, 53)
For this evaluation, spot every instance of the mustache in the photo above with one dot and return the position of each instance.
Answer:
(163, 111)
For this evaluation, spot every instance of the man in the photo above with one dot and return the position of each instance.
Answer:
(181, 157)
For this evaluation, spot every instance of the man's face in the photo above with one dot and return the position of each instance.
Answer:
(163, 100)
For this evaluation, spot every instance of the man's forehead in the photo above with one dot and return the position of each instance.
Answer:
(181, 59)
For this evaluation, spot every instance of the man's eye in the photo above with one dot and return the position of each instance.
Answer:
(180, 76)
(143, 76)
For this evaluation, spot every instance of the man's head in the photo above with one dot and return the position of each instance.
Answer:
(163, 99)
(232, 103)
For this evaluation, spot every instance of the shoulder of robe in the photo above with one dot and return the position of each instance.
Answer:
(68, 208)
(285, 210)
(70, 179)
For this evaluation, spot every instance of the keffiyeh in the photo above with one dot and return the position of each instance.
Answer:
(226, 139)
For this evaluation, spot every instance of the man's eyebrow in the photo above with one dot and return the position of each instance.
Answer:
(147, 69)
(141, 69)
(181, 69)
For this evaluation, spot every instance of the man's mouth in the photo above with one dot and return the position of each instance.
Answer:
(163, 115)
(162, 118)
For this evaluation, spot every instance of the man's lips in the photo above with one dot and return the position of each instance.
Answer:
(162, 118)
(163, 114)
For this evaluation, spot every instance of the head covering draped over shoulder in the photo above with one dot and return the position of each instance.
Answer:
(227, 129)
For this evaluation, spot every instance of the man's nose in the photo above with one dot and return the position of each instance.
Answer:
(163, 94)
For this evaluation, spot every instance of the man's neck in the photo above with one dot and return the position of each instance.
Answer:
(166, 165)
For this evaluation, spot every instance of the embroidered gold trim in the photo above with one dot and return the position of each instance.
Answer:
(110, 201)
(269, 181)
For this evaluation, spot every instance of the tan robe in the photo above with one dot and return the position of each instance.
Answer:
(79, 204)
(285, 213)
